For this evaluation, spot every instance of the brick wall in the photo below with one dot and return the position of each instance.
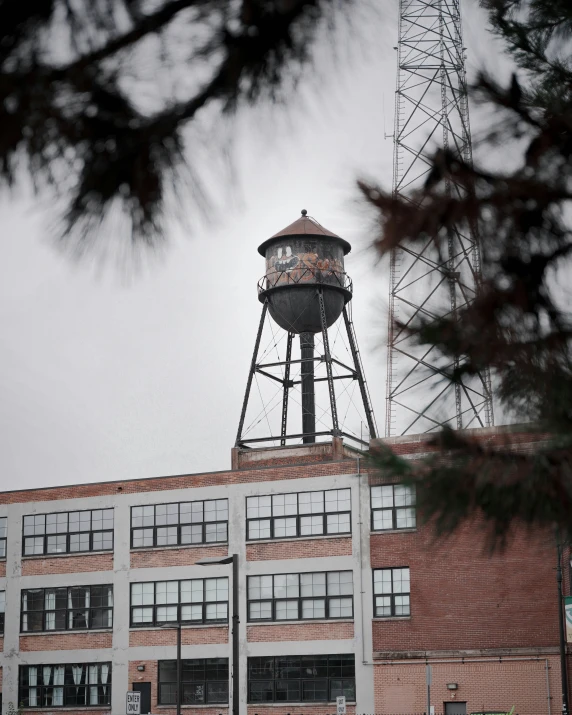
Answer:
(150, 675)
(168, 636)
(184, 481)
(67, 564)
(493, 686)
(299, 549)
(149, 558)
(2, 569)
(300, 632)
(464, 597)
(65, 641)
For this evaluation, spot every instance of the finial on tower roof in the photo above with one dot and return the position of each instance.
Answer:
(304, 212)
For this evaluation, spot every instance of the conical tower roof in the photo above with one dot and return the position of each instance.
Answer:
(304, 226)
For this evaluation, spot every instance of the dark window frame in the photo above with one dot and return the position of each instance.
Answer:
(3, 539)
(179, 605)
(391, 595)
(69, 688)
(2, 611)
(299, 599)
(67, 610)
(393, 509)
(277, 678)
(298, 516)
(67, 534)
(178, 525)
(215, 662)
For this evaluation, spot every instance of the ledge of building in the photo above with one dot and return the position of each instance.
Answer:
(291, 455)
(498, 653)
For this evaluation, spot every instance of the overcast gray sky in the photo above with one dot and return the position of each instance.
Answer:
(103, 377)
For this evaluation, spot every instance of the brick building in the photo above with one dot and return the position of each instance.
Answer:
(341, 591)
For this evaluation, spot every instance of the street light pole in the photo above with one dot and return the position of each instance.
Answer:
(232, 559)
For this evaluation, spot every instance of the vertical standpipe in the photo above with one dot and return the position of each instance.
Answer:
(307, 381)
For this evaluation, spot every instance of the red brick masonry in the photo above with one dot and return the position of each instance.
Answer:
(65, 641)
(299, 549)
(67, 564)
(189, 636)
(300, 632)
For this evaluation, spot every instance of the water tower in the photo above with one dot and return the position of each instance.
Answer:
(305, 290)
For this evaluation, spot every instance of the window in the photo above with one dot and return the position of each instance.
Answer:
(297, 679)
(392, 507)
(2, 610)
(197, 522)
(68, 532)
(3, 527)
(303, 596)
(52, 686)
(305, 514)
(67, 608)
(204, 680)
(193, 601)
(391, 592)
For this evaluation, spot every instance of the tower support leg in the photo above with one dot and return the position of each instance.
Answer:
(308, 394)
(287, 386)
(328, 358)
(360, 376)
(251, 375)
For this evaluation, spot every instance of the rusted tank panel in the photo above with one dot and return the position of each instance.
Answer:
(295, 267)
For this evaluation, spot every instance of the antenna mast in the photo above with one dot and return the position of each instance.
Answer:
(431, 108)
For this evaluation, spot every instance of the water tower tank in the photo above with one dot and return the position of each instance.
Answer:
(299, 259)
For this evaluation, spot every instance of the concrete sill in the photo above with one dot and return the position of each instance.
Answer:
(299, 538)
(190, 626)
(410, 530)
(43, 557)
(306, 622)
(391, 618)
(68, 632)
(143, 549)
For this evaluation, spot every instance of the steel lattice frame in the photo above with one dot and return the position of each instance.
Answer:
(431, 110)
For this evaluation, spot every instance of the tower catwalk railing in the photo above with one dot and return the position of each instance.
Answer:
(431, 111)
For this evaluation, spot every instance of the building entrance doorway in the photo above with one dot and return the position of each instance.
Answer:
(455, 708)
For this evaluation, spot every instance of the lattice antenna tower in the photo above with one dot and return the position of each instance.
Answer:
(431, 111)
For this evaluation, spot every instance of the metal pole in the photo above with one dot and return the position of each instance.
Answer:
(328, 359)
(179, 664)
(287, 385)
(307, 382)
(361, 380)
(563, 670)
(235, 642)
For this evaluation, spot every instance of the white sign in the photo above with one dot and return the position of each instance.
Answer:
(133, 703)
(341, 705)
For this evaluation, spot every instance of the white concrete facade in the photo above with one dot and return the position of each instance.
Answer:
(122, 575)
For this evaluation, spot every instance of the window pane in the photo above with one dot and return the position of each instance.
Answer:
(259, 587)
(338, 523)
(257, 507)
(313, 584)
(260, 610)
(338, 500)
(286, 610)
(216, 589)
(217, 692)
(143, 516)
(192, 591)
(340, 608)
(382, 581)
(56, 544)
(192, 534)
(311, 502)
(259, 529)
(314, 608)
(166, 613)
(404, 496)
(167, 592)
(311, 525)
(79, 542)
(166, 514)
(33, 545)
(340, 583)
(315, 690)
(400, 580)
(216, 612)
(402, 605)
(167, 535)
(103, 540)
(191, 512)
(405, 518)
(383, 519)
(284, 527)
(192, 612)
(3, 522)
(216, 532)
(383, 606)
(216, 510)
(142, 537)
(260, 691)
(284, 504)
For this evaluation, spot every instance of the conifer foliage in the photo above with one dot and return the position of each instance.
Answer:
(520, 325)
